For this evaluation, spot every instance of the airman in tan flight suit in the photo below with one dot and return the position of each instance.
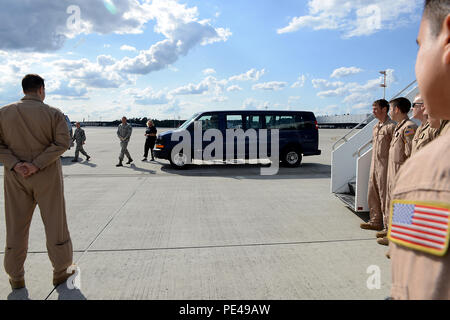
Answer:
(399, 152)
(425, 133)
(417, 271)
(382, 135)
(33, 136)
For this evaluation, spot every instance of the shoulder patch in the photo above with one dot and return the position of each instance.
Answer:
(409, 131)
(421, 226)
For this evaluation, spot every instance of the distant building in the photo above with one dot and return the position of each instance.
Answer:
(344, 121)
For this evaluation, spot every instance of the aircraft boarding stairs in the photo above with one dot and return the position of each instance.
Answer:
(351, 159)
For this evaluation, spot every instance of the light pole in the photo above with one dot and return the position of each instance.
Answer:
(383, 85)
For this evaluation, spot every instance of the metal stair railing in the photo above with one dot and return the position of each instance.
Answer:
(368, 120)
(344, 138)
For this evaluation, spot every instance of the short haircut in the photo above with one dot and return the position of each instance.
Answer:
(32, 83)
(435, 12)
(382, 103)
(402, 103)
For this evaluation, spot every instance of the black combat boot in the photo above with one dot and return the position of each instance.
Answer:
(119, 164)
(130, 161)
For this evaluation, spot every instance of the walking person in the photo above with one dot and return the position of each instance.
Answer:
(150, 140)
(124, 132)
(33, 136)
(80, 137)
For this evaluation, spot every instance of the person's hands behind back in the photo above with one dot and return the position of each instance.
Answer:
(26, 169)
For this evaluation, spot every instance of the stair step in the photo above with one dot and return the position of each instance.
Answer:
(352, 186)
(348, 199)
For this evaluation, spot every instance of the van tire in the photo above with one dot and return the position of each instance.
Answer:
(180, 162)
(291, 157)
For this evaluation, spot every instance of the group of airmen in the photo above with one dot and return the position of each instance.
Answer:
(395, 138)
(409, 188)
(124, 132)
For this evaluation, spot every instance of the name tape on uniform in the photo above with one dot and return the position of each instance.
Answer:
(422, 226)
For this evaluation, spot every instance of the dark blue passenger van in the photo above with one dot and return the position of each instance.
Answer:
(298, 135)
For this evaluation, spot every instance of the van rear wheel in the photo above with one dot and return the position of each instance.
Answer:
(291, 157)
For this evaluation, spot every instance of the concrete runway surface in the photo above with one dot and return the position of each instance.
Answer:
(148, 231)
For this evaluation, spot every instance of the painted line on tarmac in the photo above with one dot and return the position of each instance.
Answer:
(104, 228)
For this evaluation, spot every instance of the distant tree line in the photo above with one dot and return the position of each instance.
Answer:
(142, 122)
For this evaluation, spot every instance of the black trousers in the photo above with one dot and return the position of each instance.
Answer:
(149, 145)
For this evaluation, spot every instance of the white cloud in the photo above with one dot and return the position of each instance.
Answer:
(251, 75)
(270, 86)
(148, 96)
(59, 25)
(234, 88)
(209, 71)
(358, 98)
(355, 18)
(325, 84)
(65, 89)
(252, 103)
(333, 93)
(183, 31)
(343, 72)
(128, 48)
(300, 82)
(105, 60)
(219, 99)
(208, 84)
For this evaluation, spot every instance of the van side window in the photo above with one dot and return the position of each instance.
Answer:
(252, 122)
(284, 122)
(209, 122)
(308, 121)
(234, 122)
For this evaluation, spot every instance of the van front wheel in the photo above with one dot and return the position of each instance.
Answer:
(291, 157)
(178, 161)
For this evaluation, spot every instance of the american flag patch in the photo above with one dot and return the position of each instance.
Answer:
(421, 226)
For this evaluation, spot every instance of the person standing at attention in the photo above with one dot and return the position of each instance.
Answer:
(421, 195)
(382, 135)
(33, 136)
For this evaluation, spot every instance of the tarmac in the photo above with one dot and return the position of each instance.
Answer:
(149, 232)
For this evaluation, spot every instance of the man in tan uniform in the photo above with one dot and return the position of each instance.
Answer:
(381, 140)
(425, 133)
(421, 268)
(399, 152)
(33, 136)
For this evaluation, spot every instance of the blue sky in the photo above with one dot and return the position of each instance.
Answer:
(169, 59)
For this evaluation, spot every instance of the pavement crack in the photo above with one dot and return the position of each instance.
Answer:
(210, 246)
(104, 227)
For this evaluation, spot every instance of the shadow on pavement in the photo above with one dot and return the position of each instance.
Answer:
(251, 171)
(133, 167)
(65, 293)
(21, 294)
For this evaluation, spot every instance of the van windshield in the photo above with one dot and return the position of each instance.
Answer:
(187, 122)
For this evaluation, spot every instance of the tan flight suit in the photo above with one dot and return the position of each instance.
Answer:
(381, 141)
(424, 135)
(399, 152)
(31, 131)
(425, 177)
